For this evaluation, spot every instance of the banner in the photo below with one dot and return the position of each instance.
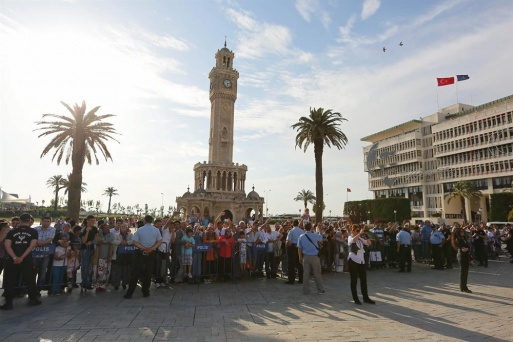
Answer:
(126, 249)
(202, 247)
(41, 251)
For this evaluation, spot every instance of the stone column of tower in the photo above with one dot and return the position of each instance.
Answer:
(223, 93)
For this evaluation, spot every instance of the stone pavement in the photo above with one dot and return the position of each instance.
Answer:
(423, 305)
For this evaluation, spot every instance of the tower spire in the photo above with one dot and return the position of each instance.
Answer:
(224, 41)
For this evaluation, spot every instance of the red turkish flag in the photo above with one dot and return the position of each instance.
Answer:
(348, 190)
(443, 81)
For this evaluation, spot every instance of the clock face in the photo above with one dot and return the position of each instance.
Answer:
(227, 83)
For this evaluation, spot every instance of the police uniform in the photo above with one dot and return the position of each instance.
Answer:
(293, 237)
(143, 262)
(21, 238)
(436, 247)
(404, 245)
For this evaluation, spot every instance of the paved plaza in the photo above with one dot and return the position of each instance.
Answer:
(423, 305)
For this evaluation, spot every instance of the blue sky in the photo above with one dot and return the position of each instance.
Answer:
(148, 63)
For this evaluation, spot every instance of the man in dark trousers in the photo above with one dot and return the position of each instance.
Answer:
(292, 240)
(19, 244)
(147, 239)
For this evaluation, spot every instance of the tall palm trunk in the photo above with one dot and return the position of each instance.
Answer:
(75, 179)
(55, 207)
(319, 192)
(110, 197)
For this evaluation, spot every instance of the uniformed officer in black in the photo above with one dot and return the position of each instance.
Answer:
(19, 244)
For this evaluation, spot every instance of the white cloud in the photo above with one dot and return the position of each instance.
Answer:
(345, 31)
(369, 8)
(259, 39)
(306, 8)
(435, 12)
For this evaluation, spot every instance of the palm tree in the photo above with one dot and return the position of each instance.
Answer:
(65, 186)
(306, 196)
(110, 191)
(320, 128)
(464, 190)
(55, 182)
(77, 138)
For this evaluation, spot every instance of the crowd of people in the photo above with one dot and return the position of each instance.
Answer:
(122, 252)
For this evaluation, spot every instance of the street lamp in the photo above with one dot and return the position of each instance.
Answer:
(162, 205)
(368, 213)
(395, 215)
(266, 202)
(480, 215)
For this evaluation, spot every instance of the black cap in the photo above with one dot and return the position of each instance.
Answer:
(25, 217)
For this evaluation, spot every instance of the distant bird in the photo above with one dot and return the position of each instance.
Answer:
(384, 49)
(401, 44)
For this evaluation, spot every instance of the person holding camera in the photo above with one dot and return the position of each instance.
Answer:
(308, 247)
(356, 261)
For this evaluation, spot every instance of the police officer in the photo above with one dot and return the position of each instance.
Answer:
(292, 252)
(404, 249)
(147, 239)
(19, 244)
(437, 240)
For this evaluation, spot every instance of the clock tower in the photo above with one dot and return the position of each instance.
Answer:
(220, 184)
(223, 93)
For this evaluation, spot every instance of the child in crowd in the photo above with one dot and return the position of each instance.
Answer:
(59, 266)
(102, 254)
(73, 259)
(187, 246)
(242, 250)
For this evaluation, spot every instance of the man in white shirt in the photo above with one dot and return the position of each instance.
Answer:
(272, 237)
(46, 234)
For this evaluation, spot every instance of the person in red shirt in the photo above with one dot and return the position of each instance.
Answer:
(225, 255)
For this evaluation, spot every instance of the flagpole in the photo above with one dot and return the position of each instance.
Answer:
(437, 102)
(456, 83)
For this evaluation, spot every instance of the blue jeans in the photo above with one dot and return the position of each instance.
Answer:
(41, 265)
(58, 273)
(426, 250)
(85, 265)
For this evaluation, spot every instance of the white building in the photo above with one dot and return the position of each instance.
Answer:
(422, 159)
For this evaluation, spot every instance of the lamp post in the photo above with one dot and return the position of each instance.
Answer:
(368, 213)
(480, 215)
(162, 205)
(266, 202)
(395, 215)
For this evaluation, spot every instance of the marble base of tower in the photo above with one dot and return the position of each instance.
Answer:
(220, 187)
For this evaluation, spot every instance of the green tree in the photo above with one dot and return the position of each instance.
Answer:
(463, 190)
(110, 191)
(55, 182)
(77, 138)
(306, 196)
(65, 186)
(320, 128)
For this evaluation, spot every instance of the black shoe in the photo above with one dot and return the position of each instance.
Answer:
(146, 295)
(6, 307)
(300, 282)
(368, 301)
(448, 267)
(466, 290)
(127, 296)
(289, 282)
(34, 302)
(401, 271)
(408, 271)
(357, 301)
